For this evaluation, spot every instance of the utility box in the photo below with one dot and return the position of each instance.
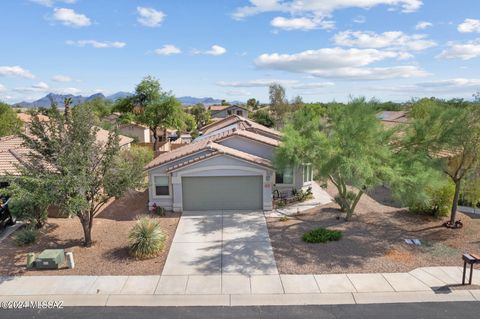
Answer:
(50, 259)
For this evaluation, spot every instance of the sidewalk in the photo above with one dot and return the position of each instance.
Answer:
(430, 284)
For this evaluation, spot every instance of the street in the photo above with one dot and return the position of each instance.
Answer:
(450, 310)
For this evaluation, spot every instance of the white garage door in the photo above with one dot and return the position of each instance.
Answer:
(222, 192)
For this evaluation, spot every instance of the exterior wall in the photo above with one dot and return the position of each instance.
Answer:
(224, 113)
(223, 165)
(140, 133)
(248, 146)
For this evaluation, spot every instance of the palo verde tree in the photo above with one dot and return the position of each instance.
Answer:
(345, 144)
(83, 172)
(446, 137)
(10, 124)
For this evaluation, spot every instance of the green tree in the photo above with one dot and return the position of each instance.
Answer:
(349, 147)
(446, 137)
(201, 114)
(100, 106)
(263, 117)
(278, 102)
(84, 173)
(10, 124)
(252, 104)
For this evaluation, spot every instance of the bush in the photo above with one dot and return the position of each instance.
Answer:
(29, 210)
(146, 239)
(439, 201)
(321, 235)
(26, 236)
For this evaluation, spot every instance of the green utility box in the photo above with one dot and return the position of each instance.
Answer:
(50, 259)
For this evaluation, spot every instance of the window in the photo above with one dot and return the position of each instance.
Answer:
(307, 173)
(285, 177)
(161, 186)
(239, 113)
(229, 112)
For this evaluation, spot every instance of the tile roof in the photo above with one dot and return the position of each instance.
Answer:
(218, 108)
(244, 124)
(11, 153)
(102, 136)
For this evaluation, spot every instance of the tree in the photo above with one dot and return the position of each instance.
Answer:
(263, 117)
(100, 106)
(252, 104)
(201, 114)
(349, 147)
(278, 102)
(10, 124)
(83, 172)
(447, 138)
(297, 103)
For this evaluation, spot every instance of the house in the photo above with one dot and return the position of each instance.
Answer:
(139, 132)
(228, 167)
(222, 111)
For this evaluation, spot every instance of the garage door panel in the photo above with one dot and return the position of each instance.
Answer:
(222, 192)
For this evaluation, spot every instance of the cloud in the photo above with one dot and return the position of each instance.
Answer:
(392, 40)
(257, 83)
(62, 78)
(150, 17)
(314, 85)
(15, 71)
(454, 85)
(238, 93)
(2, 88)
(360, 19)
(168, 49)
(339, 63)
(464, 51)
(469, 26)
(215, 50)
(317, 8)
(38, 87)
(97, 44)
(422, 25)
(304, 23)
(50, 3)
(70, 18)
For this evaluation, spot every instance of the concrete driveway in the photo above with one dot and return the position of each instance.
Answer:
(221, 242)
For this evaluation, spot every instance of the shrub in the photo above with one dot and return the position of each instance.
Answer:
(284, 218)
(321, 235)
(440, 198)
(26, 236)
(146, 239)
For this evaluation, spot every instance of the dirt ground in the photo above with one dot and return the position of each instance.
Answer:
(108, 256)
(373, 241)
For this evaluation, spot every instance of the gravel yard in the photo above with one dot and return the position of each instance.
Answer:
(373, 241)
(108, 256)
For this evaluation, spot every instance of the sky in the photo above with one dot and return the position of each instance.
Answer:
(322, 50)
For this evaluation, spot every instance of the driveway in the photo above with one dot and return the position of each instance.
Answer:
(221, 242)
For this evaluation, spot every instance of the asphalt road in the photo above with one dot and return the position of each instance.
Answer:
(464, 310)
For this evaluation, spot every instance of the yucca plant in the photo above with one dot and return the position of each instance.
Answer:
(146, 238)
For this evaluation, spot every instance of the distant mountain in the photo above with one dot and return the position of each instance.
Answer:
(47, 100)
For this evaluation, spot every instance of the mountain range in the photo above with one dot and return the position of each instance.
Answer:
(59, 99)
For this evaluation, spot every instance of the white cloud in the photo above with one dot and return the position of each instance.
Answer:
(38, 87)
(464, 51)
(2, 88)
(150, 17)
(451, 83)
(62, 78)
(257, 83)
(303, 23)
(422, 25)
(97, 44)
(168, 49)
(238, 93)
(317, 8)
(391, 40)
(469, 25)
(313, 85)
(15, 71)
(339, 63)
(70, 18)
(41, 86)
(50, 3)
(214, 50)
(360, 19)
(454, 85)
(71, 90)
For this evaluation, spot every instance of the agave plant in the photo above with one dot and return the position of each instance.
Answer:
(146, 238)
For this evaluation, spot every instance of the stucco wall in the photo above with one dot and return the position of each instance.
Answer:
(248, 146)
(224, 113)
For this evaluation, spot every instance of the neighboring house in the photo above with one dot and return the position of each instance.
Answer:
(139, 132)
(392, 118)
(223, 111)
(229, 167)
(124, 141)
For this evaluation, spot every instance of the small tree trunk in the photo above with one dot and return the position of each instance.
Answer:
(87, 232)
(155, 139)
(453, 213)
(351, 209)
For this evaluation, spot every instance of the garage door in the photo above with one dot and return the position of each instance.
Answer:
(215, 193)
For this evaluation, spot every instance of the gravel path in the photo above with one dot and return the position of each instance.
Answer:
(373, 241)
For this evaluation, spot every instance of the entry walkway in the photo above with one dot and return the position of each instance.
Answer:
(221, 242)
(430, 284)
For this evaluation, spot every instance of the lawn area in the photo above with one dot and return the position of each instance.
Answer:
(373, 241)
(108, 256)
